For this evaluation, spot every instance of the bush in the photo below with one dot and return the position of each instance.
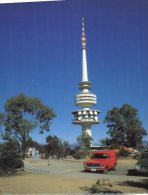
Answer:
(79, 154)
(9, 156)
(123, 152)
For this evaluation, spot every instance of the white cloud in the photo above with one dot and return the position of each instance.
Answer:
(24, 1)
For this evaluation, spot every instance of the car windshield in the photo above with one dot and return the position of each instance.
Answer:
(145, 155)
(101, 156)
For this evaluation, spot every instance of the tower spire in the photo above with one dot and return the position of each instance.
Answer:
(84, 60)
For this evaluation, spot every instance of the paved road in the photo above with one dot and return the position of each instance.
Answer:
(75, 168)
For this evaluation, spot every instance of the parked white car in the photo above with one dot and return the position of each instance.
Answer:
(142, 163)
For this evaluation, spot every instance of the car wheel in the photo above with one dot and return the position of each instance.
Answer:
(105, 171)
(114, 168)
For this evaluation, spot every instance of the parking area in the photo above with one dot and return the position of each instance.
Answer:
(75, 168)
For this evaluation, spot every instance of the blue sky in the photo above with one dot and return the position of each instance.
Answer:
(40, 55)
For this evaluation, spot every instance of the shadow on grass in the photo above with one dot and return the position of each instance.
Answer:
(95, 172)
(100, 189)
(142, 184)
(12, 172)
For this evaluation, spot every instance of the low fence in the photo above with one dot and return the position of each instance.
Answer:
(37, 167)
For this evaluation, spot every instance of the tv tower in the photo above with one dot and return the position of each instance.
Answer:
(86, 117)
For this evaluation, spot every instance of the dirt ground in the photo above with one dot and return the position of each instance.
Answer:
(29, 183)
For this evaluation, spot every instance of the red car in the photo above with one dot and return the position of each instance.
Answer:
(101, 161)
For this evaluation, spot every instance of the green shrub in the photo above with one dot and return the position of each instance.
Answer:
(9, 156)
(79, 154)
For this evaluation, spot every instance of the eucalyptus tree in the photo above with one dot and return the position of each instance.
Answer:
(124, 126)
(84, 141)
(22, 115)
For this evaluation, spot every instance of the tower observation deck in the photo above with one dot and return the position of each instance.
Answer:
(86, 117)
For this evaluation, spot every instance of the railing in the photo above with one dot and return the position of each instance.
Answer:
(36, 169)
